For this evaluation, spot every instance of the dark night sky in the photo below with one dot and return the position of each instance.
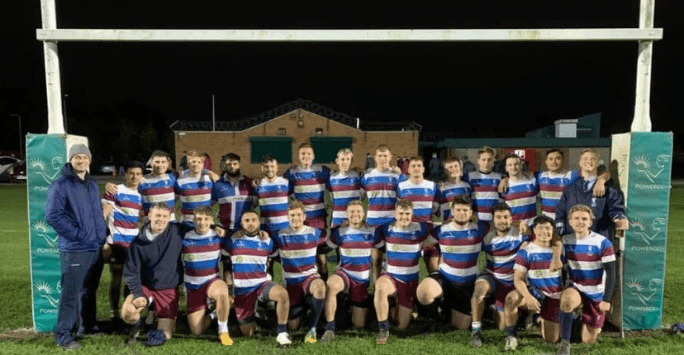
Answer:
(475, 89)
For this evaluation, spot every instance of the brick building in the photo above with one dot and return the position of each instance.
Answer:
(281, 130)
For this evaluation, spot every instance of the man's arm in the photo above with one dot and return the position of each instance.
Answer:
(609, 268)
(376, 264)
(131, 272)
(560, 211)
(557, 249)
(521, 286)
(616, 209)
(55, 213)
(600, 185)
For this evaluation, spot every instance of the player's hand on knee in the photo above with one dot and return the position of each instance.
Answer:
(532, 304)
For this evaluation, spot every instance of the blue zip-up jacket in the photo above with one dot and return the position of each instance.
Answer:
(73, 209)
(155, 264)
(606, 209)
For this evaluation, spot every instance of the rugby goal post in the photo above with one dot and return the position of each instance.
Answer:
(644, 35)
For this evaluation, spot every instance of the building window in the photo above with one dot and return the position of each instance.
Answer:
(281, 131)
(326, 148)
(319, 131)
(279, 147)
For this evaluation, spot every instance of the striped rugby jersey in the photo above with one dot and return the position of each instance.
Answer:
(248, 256)
(297, 250)
(355, 250)
(522, 198)
(460, 248)
(403, 249)
(193, 192)
(551, 188)
(200, 255)
(448, 192)
(485, 193)
(381, 190)
(273, 201)
(308, 187)
(344, 188)
(233, 200)
(422, 195)
(155, 189)
(501, 252)
(535, 261)
(585, 258)
(123, 220)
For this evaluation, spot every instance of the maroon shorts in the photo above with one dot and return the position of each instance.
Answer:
(550, 310)
(358, 291)
(245, 304)
(405, 291)
(431, 251)
(197, 299)
(591, 315)
(498, 288)
(165, 301)
(297, 292)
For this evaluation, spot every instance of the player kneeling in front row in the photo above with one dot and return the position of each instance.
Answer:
(460, 242)
(358, 246)
(201, 255)
(589, 256)
(249, 250)
(297, 246)
(404, 241)
(533, 263)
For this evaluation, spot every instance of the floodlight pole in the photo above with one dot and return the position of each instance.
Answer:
(642, 103)
(53, 83)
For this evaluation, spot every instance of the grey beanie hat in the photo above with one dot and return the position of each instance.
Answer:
(79, 149)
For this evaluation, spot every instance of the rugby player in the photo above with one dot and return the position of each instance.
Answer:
(359, 265)
(201, 254)
(249, 250)
(501, 245)
(380, 184)
(122, 211)
(344, 186)
(460, 242)
(452, 187)
(193, 187)
(272, 195)
(404, 241)
(537, 288)
(591, 270)
(297, 245)
(484, 184)
(521, 194)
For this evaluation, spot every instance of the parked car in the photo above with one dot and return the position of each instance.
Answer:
(6, 163)
(107, 168)
(18, 173)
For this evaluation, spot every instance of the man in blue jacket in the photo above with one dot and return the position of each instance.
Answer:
(73, 209)
(608, 209)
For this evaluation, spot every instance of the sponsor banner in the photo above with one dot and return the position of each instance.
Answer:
(648, 201)
(46, 155)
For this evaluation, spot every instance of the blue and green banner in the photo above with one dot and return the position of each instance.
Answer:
(45, 156)
(645, 179)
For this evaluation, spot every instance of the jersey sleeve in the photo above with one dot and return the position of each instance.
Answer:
(521, 263)
(607, 251)
(109, 198)
(401, 178)
(215, 192)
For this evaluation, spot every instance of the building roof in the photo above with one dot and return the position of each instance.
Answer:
(308, 105)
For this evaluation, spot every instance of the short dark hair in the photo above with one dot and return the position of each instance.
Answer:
(134, 164)
(555, 150)
(268, 158)
(512, 156)
(501, 206)
(160, 153)
(231, 156)
(461, 200)
(542, 219)
(205, 210)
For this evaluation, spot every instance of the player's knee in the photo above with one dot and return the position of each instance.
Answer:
(279, 294)
(569, 301)
(512, 299)
(334, 286)
(317, 288)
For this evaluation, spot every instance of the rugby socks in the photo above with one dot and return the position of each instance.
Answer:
(384, 325)
(317, 304)
(566, 320)
(477, 326)
(510, 331)
(330, 326)
(282, 328)
(432, 310)
(223, 327)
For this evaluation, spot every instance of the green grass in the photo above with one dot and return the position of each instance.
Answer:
(15, 315)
